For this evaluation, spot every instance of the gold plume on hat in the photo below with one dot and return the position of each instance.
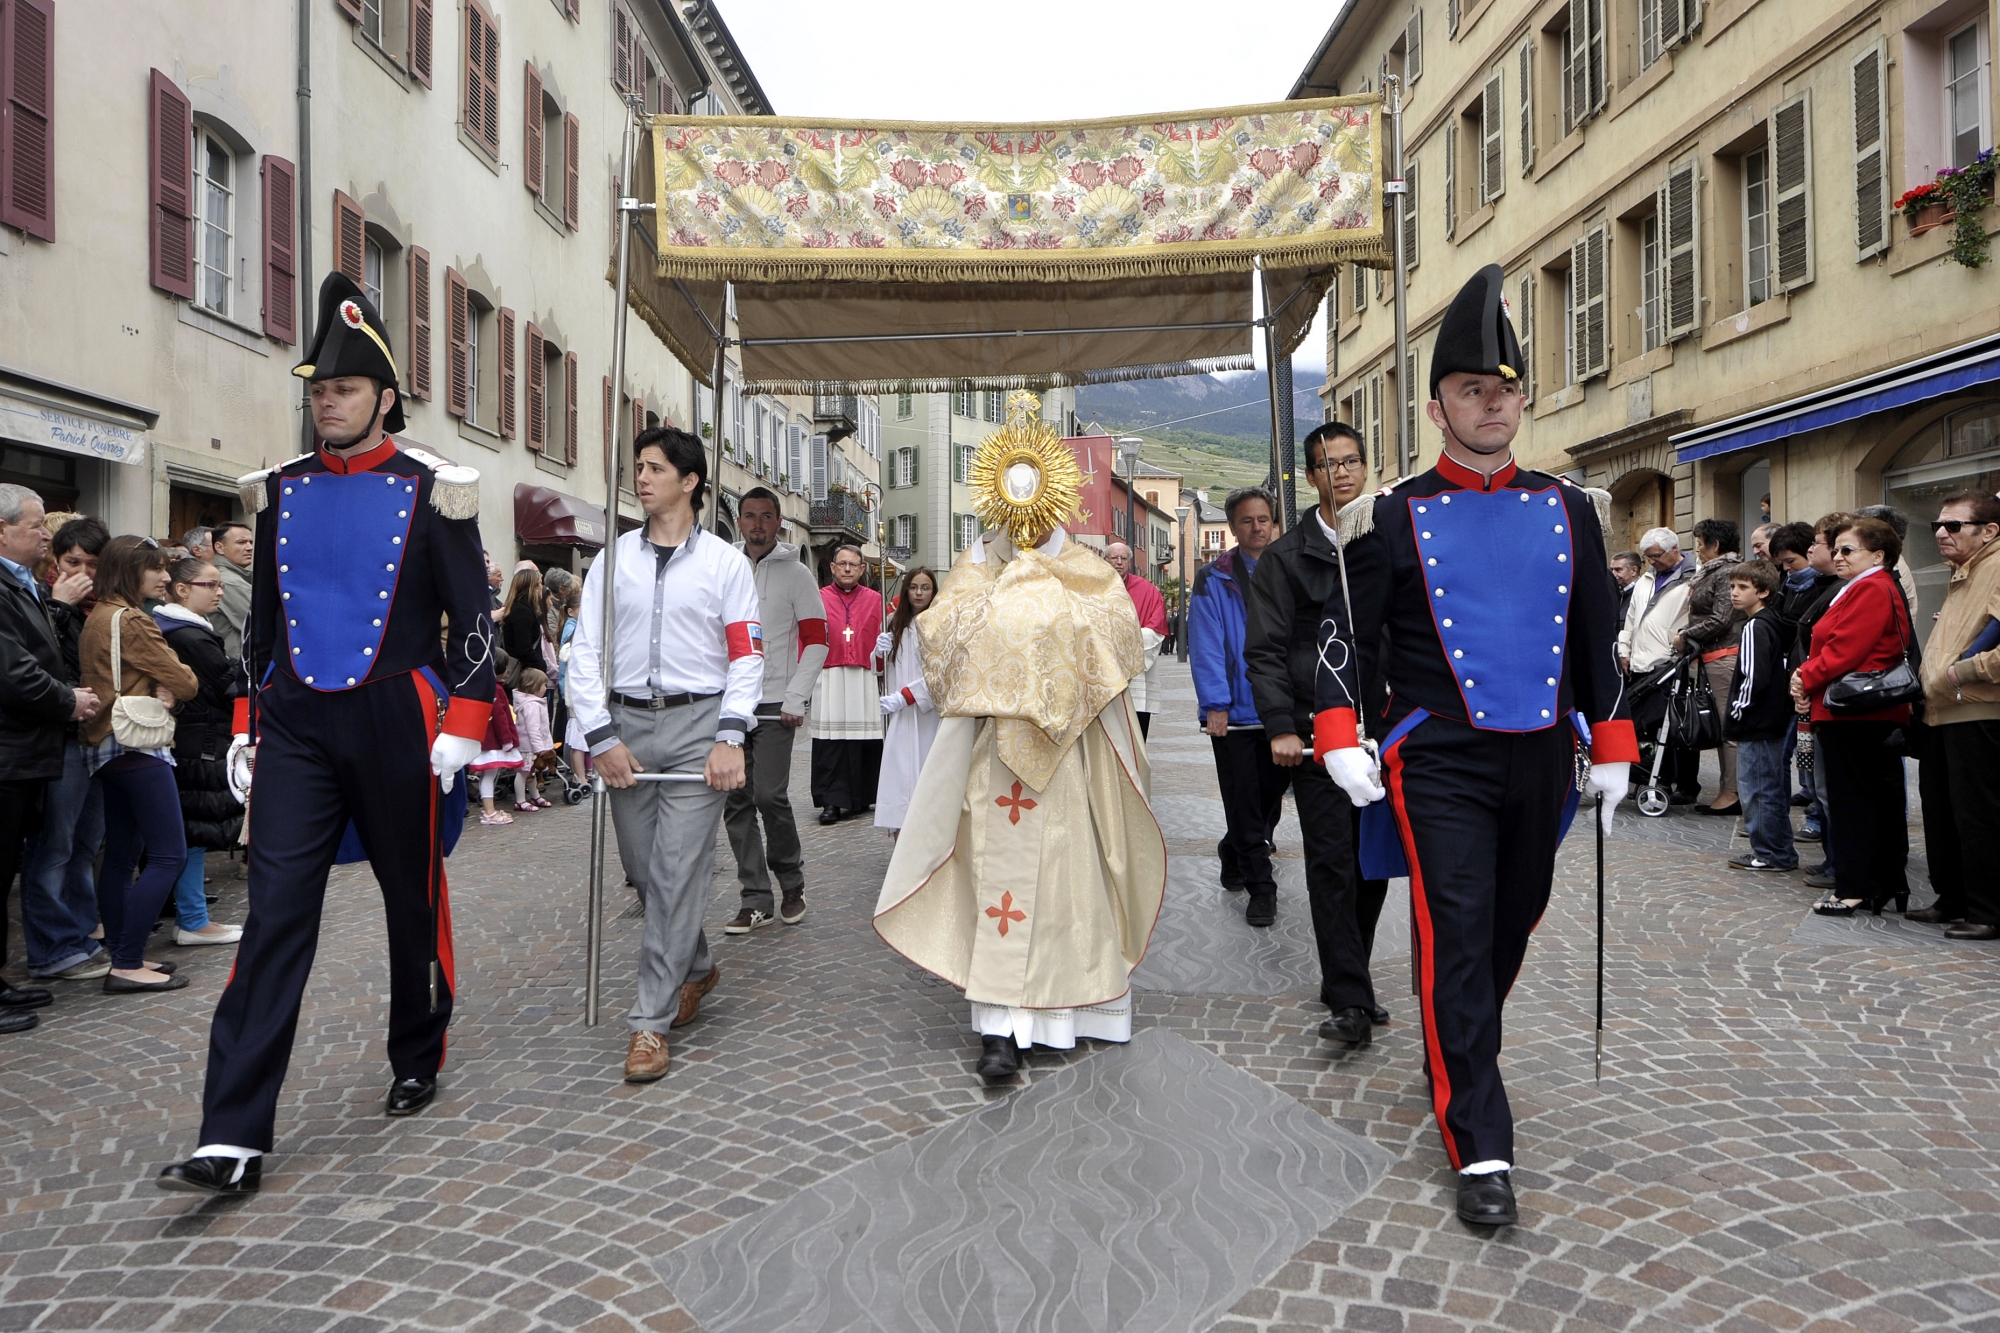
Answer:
(1024, 479)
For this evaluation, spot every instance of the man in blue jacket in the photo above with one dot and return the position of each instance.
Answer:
(1253, 788)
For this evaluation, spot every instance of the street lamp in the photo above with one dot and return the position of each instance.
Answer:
(1180, 635)
(1128, 449)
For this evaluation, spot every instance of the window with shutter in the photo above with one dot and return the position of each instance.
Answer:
(508, 372)
(1492, 142)
(1410, 207)
(638, 417)
(572, 200)
(1680, 234)
(1527, 84)
(1451, 177)
(1359, 286)
(482, 77)
(1451, 17)
(423, 22)
(458, 369)
(1413, 48)
(420, 324)
(621, 47)
(27, 119)
(819, 469)
(170, 186)
(1649, 29)
(350, 237)
(1871, 155)
(531, 128)
(1791, 183)
(1524, 333)
(1588, 342)
(1672, 15)
(610, 416)
(538, 388)
(1594, 65)
(570, 440)
(280, 300)
(1375, 420)
(351, 8)
(1409, 442)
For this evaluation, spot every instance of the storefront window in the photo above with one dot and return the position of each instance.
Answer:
(1959, 453)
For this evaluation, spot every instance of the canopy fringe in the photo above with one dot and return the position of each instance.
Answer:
(1057, 379)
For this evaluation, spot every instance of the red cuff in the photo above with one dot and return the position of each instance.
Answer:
(909, 698)
(1333, 729)
(1614, 742)
(467, 718)
(239, 717)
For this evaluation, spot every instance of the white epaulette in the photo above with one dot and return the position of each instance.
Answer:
(1358, 519)
(1600, 500)
(250, 486)
(454, 487)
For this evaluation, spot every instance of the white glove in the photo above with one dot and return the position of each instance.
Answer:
(1611, 781)
(894, 703)
(449, 754)
(240, 763)
(1354, 769)
(883, 643)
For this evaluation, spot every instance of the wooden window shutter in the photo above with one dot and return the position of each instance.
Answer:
(1599, 81)
(1492, 142)
(423, 27)
(1577, 358)
(576, 11)
(1413, 48)
(482, 77)
(569, 408)
(171, 187)
(509, 372)
(668, 97)
(1408, 428)
(1680, 235)
(420, 324)
(28, 120)
(537, 404)
(1527, 98)
(1673, 23)
(1359, 286)
(1791, 181)
(1451, 17)
(458, 374)
(1451, 177)
(1586, 283)
(531, 129)
(621, 47)
(1375, 419)
(349, 236)
(280, 245)
(572, 175)
(1871, 156)
(638, 417)
(819, 477)
(351, 8)
(1524, 333)
(1410, 207)
(610, 416)
(1576, 96)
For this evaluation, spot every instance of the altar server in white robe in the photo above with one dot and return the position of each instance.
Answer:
(911, 719)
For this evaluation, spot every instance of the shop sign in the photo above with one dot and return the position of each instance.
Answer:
(46, 426)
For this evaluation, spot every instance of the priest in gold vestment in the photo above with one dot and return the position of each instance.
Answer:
(1030, 869)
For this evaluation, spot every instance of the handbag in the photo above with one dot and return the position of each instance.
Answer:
(140, 722)
(1693, 722)
(1860, 692)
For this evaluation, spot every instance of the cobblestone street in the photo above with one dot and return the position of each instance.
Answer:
(1796, 1128)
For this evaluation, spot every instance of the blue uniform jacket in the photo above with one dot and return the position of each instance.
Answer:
(1215, 642)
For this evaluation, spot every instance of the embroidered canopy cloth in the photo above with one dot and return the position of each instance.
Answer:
(1061, 246)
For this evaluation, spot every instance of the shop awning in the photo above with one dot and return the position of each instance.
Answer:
(885, 256)
(1963, 367)
(545, 517)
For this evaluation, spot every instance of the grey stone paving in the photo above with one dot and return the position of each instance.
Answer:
(1103, 1197)
(1791, 1135)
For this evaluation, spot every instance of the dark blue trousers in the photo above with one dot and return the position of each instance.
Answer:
(323, 759)
(142, 814)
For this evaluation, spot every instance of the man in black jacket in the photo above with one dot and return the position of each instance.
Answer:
(1281, 652)
(35, 703)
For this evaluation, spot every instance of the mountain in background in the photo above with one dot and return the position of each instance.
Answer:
(1215, 428)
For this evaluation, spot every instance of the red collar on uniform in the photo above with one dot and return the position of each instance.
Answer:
(1464, 477)
(367, 462)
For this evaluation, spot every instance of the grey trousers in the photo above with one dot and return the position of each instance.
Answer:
(766, 791)
(666, 840)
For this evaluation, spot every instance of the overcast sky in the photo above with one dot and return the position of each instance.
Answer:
(1029, 60)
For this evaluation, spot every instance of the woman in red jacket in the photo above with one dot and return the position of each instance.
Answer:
(1866, 628)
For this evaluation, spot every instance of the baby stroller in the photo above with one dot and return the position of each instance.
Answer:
(1676, 706)
(550, 766)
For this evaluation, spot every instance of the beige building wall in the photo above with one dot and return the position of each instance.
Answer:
(1654, 191)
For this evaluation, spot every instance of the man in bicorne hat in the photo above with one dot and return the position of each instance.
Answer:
(356, 714)
(1490, 585)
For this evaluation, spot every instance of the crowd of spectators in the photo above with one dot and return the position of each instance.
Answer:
(1823, 685)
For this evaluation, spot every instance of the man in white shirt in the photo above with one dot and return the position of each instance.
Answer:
(687, 669)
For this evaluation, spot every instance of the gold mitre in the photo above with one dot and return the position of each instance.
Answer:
(1024, 479)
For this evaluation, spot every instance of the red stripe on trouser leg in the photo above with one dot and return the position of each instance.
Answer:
(1423, 942)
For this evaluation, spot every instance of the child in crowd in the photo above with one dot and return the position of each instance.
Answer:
(500, 753)
(1759, 715)
(531, 711)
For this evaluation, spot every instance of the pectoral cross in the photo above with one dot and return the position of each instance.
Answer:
(847, 634)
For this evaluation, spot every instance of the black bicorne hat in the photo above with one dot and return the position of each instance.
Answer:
(351, 340)
(1476, 337)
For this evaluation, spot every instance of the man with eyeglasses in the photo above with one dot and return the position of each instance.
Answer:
(1292, 581)
(1959, 773)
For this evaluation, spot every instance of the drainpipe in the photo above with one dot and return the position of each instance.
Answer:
(304, 182)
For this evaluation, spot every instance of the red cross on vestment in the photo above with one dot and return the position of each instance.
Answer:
(1005, 911)
(1014, 805)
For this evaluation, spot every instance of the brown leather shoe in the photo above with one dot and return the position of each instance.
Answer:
(1972, 930)
(691, 993)
(646, 1058)
(1932, 914)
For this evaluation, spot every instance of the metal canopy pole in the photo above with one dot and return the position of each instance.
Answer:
(1398, 192)
(1281, 469)
(721, 369)
(600, 811)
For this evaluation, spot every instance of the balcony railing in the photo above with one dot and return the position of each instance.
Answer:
(840, 512)
(836, 409)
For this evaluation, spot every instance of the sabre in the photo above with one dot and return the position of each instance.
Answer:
(1600, 938)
